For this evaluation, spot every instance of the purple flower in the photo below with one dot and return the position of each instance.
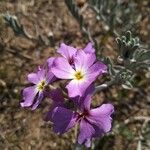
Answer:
(33, 95)
(85, 71)
(93, 122)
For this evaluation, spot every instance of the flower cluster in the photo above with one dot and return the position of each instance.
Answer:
(81, 68)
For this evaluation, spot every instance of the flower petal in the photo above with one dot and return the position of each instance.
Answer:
(58, 99)
(98, 68)
(63, 119)
(67, 51)
(29, 94)
(50, 61)
(89, 48)
(77, 87)
(84, 60)
(50, 77)
(73, 89)
(102, 67)
(41, 74)
(33, 78)
(62, 69)
(86, 133)
(38, 100)
(57, 96)
(83, 103)
(101, 116)
(83, 86)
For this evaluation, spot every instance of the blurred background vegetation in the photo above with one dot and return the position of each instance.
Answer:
(44, 24)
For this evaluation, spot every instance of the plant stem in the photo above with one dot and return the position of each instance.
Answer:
(105, 85)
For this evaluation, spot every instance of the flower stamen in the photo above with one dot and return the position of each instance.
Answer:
(78, 75)
(41, 85)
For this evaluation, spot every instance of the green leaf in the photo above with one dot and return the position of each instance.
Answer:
(127, 85)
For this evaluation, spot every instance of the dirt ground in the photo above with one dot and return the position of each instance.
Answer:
(23, 129)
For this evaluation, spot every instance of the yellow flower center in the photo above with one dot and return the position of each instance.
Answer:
(78, 75)
(41, 85)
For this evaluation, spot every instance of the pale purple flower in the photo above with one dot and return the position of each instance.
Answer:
(85, 71)
(92, 122)
(33, 95)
